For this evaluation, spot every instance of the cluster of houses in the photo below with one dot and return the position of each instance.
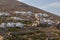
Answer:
(11, 24)
(22, 12)
(43, 18)
(4, 14)
(41, 15)
(16, 12)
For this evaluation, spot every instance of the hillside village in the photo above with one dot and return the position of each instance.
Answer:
(19, 21)
(40, 18)
(12, 22)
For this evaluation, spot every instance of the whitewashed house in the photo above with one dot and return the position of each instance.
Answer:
(29, 12)
(37, 15)
(3, 25)
(19, 12)
(19, 25)
(10, 24)
(1, 14)
(45, 15)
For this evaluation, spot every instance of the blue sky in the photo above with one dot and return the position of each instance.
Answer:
(52, 6)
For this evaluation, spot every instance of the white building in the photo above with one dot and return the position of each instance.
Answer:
(37, 15)
(29, 12)
(45, 15)
(10, 24)
(19, 25)
(22, 12)
(18, 12)
(3, 25)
